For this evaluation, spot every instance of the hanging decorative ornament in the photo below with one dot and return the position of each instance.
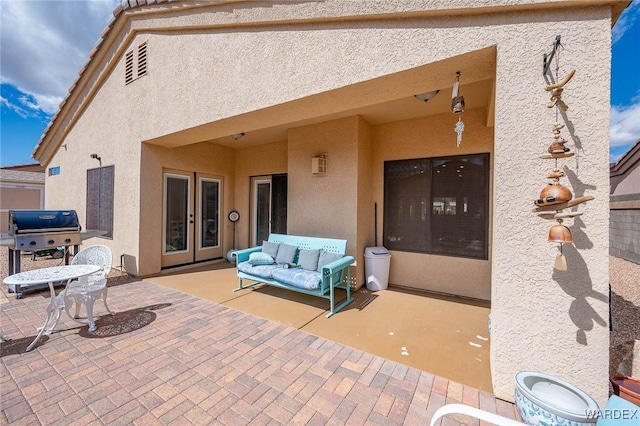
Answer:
(459, 129)
(457, 107)
(560, 234)
(557, 146)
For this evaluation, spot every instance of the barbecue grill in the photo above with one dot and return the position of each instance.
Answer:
(40, 230)
(43, 229)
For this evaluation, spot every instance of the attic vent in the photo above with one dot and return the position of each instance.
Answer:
(128, 70)
(136, 59)
(142, 59)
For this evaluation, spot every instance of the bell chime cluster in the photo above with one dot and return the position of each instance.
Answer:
(555, 197)
(457, 107)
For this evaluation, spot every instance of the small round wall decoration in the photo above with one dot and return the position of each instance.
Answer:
(234, 216)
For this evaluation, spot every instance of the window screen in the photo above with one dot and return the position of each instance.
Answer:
(438, 205)
(100, 186)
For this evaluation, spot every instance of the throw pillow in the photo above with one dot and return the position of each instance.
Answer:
(308, 259)
(270, 248)
(286, 253)
(327, 257)
(260, 258)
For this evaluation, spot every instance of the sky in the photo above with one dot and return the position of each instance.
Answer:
(44, 43)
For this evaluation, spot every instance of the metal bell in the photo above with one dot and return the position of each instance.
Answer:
(560, 234)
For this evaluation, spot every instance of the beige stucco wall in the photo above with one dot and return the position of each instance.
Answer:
(541, 319)
(103, 128)
(325, 206)
(433, 136)
(544, 320)
(626, 179)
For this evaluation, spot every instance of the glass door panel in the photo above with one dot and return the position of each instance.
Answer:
(262, 210)
(208, 218)
(176, 229)
(176, 247)
(268, 207)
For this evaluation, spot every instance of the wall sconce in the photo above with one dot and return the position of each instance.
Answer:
(237, 135)
(319, 164)
(457, 107)
(96, 157)
(426, 97)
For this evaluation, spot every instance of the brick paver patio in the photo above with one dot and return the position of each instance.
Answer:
(171, 358)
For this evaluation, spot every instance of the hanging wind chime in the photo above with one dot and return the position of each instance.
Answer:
(457, 107)
(555, 197)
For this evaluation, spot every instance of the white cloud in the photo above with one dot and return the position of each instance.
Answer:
(625, 125)
(625, 21)
(44, 44)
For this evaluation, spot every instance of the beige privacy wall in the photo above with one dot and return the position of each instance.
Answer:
(227, 67)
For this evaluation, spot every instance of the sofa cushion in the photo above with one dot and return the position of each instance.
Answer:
(260, 258)
(286, 253)
(298, 277)
(270, 248)
(327, 257)
(262, 271)
(308, 259)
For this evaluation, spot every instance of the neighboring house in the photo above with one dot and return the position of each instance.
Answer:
(186, 111)
(21, 187)
(624, 202)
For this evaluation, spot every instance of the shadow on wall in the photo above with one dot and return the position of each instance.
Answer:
(577, 283)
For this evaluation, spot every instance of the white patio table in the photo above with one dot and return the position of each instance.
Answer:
(50, 276)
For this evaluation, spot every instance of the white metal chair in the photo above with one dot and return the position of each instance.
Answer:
(91, 287)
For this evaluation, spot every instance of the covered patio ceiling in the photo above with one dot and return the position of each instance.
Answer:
(381, 100)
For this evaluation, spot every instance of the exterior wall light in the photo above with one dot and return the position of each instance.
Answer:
(426, 97)
(319, 164)
(96, 157)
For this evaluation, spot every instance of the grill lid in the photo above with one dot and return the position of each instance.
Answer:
(32, 221)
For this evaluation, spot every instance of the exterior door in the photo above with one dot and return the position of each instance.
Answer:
(191, 218)
(269, 207)
(208, 229)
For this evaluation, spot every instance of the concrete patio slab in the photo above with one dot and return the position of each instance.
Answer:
(443, 335)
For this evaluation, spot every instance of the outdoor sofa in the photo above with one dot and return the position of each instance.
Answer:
(309, 265)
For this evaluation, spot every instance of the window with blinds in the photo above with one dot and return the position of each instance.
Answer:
(437, 205)
(100, 191)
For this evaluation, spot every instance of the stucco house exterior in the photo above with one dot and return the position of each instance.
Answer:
(21, 187)
(186, 111)
(624, 202)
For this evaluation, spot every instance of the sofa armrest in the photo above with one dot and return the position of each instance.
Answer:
(337, 265)
(243, 255)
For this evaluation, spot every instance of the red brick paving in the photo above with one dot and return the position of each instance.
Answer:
(197, 362)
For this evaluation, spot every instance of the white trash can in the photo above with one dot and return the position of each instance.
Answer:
(376, 267)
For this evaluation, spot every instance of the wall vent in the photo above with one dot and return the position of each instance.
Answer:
(128, 70)
(135, 59)
(142, 59)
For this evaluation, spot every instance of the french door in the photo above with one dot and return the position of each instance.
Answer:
(268, 207)
(191, 229)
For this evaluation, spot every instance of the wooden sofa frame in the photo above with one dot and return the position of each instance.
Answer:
(336, 274)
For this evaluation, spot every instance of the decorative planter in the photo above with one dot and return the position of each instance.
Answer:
(627, 388)
(545, 400)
